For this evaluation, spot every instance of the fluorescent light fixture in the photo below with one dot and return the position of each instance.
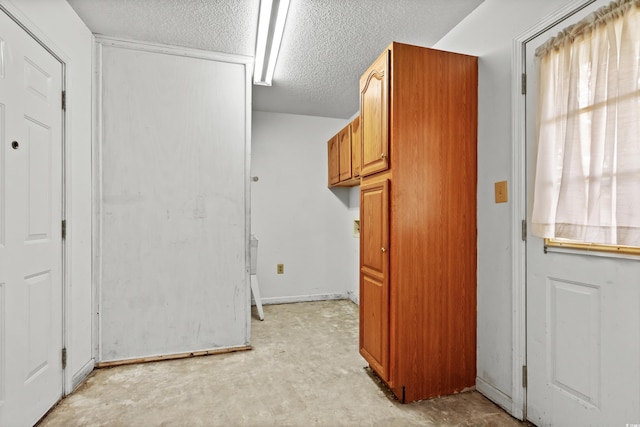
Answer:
(273, 14)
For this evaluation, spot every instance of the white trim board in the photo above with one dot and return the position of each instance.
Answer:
(174, 50)
(96, 192)
(304, 298)
(353, 297)
(493, 394)
(519, 206)
(82, 374)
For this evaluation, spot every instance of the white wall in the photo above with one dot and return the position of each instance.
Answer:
(488, 33)
(58, 26)
(298, 221)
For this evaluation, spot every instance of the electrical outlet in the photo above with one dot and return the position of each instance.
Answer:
(356, 228)
(501, 192)
(280, 268)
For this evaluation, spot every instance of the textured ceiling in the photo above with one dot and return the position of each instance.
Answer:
(327, 44)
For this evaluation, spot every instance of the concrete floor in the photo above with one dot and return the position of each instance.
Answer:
(304, 370)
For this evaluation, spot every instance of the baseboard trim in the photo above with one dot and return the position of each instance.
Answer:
(160, 358)
(82, 374)
(353, 297)
(303, 298)
(494, 395)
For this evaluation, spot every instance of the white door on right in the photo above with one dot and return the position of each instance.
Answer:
(583, 315)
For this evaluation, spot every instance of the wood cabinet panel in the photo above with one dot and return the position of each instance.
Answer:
(374, 279)
(356, 147)
(344, 147)
(374, 203)
(334, 164)
(374, 109)
(374, 320)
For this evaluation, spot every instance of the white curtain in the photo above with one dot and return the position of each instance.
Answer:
(587, 182)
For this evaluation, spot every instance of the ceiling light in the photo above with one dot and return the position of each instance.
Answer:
(273, 14)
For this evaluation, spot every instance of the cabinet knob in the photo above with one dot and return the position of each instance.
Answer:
(383, 155)
(383, 250)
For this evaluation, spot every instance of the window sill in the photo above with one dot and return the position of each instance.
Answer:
(592, 249)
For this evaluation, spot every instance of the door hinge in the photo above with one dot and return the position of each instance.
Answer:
(524, 83)
(524, 377)
(64, 228)
(64, 358)
(64, 100)
(524, 230)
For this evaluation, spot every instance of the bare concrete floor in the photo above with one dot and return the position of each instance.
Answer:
(304, 370)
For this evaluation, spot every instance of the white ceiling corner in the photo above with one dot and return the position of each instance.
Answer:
(327, 44)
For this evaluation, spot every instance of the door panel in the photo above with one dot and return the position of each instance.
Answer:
(575, 328)
(355, 147)
(30, 223)
(374, 227)
(38, 152)
(374, 345)
(583, 316)
(334, 165)
(38, 296)
(344, 146)
(374, 108)
(374, 282)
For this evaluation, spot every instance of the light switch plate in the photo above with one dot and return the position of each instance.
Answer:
(501, 192)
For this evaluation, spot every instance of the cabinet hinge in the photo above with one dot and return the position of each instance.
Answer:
(64, 100)
(524, 377)
(524, 83)
(64, 358)
(524, 230)
(64, 228)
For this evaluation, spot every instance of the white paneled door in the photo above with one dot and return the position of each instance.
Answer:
(30, 227)
(583, 317)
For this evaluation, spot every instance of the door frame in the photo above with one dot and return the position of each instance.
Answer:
(65, 268)
(519, 205)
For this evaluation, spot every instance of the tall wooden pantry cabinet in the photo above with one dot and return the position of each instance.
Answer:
(418, 112)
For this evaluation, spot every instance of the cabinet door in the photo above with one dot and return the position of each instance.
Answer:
(344, 147)
(355, 147)
(334, 165)
(374, 109)
(374, 276)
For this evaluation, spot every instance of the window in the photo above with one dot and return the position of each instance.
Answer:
(587, 182)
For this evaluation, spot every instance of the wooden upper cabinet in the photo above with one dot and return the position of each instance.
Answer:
(344, 148)
(344, 156)
(334, 164)
(374, 111)
(356, 147)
